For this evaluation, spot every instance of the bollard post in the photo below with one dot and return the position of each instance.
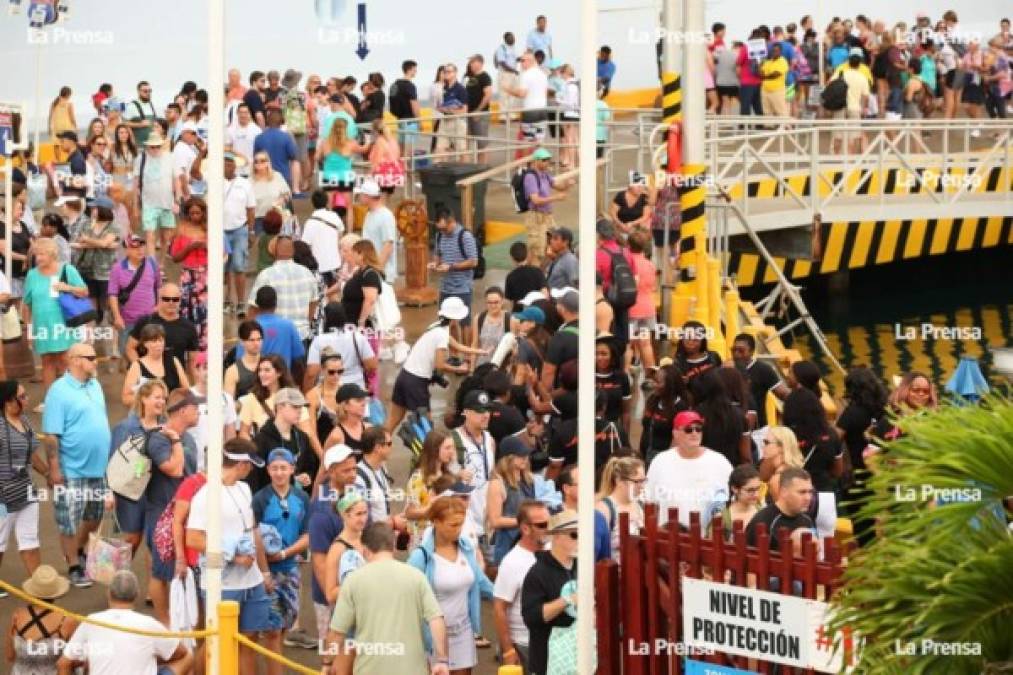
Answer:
(732, 315)
(510, 670)
(228, 646)
(714, 306)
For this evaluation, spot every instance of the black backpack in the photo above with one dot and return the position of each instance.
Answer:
(479, 269)
(835, 96)
(622, 294)
(517, 183)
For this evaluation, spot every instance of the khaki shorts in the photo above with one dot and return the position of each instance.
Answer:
(538, 225)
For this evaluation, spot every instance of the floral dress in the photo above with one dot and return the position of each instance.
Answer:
(193, 284)
(418, 494)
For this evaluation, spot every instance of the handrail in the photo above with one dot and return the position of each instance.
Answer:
(489, 173)
(199, 634)
(274, 656)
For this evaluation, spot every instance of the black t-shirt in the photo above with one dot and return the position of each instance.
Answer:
(519, 399)
(776, 521)
(542, 585)
(180, 335)
(616, 387)
(762, 378)
(271, 95)
(552, 318)
(657, 425)
(522, 280)
(21, 242)
(475, 85)
(725, 438)
(374, 109)
(254, 101)
(504, 420)
(563, 428)
(854, 421)
(563, 346)
(402, 93)
(354, 100)
(627, 213)
(298, 443)
(609, 438)
(701, 364)
(820, 456)
(352, 295)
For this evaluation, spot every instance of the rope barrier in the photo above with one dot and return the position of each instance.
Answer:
(274, 656)
(196, 634)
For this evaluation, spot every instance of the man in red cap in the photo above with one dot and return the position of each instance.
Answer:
(688, 477)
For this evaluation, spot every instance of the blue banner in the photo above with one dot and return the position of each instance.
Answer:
(700, 668)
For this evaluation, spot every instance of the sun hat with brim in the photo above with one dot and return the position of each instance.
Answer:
(453, 308)
(154, 141)
(65, 199)
(46, 583)
(239, 160)
(564, 521)
(541, 153)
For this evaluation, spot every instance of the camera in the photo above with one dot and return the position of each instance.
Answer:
(440, 380)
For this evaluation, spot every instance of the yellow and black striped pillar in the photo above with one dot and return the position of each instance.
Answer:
(671, 97)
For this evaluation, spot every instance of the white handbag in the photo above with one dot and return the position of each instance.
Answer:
(386, 313)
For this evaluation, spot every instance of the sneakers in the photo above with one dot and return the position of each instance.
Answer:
(78, 578)
(299, 638)
(240, 311)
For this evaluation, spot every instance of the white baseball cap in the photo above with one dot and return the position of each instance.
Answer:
(336, 454)
(559, 293)
(454, 308)
(533, 297)
(189, 126)
(369, 188)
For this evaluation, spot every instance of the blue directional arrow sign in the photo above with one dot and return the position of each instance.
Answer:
(362, 49)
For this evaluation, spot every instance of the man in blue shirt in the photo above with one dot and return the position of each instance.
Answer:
(457, 257)
(280, 147)
(280, 335)
(325, 524)
(77, 446)
(606, 69)
(285, 507)
(539, 39)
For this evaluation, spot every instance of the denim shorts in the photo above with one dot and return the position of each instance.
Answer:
(163, 570)
(130, 513)
(239, 247)
(255, 615)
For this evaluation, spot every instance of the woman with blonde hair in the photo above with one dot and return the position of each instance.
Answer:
(385, 158)
(270, 189)
(147, 410)
(347, 269)
(61, 114)
(334, 156)
(780, 450)
(510, 484)
(435, 460)
(346, 552)
(622, 481)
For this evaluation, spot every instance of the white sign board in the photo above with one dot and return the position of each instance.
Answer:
(757, 624)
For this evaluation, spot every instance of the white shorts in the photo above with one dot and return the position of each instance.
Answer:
(25, 524)
(323, 614)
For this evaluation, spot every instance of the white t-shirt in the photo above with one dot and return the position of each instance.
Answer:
(322, 233)
(200, 432)
(481, 461)
(699, 484)
(111, 652)
(344, 343)
(237, 519)
(379, 228)
(421, 359)
(509, 579)
(536, 87)
(238, 197)
(241, 139)
(183, 156)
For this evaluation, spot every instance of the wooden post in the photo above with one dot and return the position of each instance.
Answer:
(609, 618)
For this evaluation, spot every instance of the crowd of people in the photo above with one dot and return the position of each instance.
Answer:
(398, 569)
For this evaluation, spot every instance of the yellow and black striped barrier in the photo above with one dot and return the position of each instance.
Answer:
(857, 244)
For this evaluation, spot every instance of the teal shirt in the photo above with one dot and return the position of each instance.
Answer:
(928, 74)
(76, 412)
(48, 330)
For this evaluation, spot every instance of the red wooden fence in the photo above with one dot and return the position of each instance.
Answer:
(640, 601)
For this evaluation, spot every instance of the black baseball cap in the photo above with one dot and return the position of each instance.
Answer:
(351, 390)
(477, 400)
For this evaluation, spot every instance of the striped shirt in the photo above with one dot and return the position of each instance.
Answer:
(16, 448)
(296, 287)
(449, 248)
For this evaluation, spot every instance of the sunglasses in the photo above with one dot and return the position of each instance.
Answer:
(693, 429)
(637, 481)
(336, 372)
(544, 525)
(573, 535)
(260, 161)
(169, 298)
(90, 357)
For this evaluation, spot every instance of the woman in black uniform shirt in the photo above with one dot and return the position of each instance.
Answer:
(692, 356)
(669, 399)
(612, 382)
(630, 210)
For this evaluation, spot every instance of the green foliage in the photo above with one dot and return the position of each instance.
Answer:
(937, 571)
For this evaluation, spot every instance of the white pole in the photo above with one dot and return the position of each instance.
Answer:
(818, 27)
(671, 9)
(585, 451)
(214, 175)
(694, 97)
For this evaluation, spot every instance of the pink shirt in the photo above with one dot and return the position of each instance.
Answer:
(645, 272)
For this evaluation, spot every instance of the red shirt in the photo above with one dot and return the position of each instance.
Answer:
(746, 75)
(603, 261)
(184, 493)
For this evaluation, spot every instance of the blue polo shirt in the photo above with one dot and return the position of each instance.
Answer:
(280, 147)
(76, 412)
(281, 337)
(324, 525)
(290, 516)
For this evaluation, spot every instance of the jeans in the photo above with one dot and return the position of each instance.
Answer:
(894, 99)
(749, 97)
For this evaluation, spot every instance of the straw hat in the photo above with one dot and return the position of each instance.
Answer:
(46, 583)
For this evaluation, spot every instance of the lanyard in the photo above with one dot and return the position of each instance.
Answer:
(481, 448)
